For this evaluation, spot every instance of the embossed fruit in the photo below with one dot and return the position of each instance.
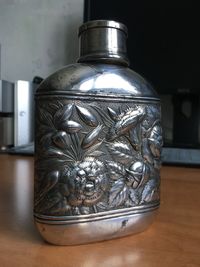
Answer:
(87, 182)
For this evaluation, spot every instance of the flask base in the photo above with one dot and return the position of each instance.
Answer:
(88, 229)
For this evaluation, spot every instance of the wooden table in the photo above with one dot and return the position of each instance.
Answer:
(173, 239)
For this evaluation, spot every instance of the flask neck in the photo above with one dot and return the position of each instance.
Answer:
(103, 41)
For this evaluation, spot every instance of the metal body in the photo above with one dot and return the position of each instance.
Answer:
(98, 144)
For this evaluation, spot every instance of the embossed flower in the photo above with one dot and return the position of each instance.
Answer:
(87, 181)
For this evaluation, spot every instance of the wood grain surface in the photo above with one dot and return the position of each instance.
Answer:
(173, 239)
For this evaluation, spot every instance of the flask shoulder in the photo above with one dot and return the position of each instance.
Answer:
(97, 79)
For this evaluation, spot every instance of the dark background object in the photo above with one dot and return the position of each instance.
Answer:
(185, 116)
(37, 79)
(164, 47)
(163, 40)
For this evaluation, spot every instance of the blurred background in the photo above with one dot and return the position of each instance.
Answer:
(37, 37)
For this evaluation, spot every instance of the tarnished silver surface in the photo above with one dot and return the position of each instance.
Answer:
(98, 145)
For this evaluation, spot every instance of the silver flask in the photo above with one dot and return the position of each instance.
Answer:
(98, 142)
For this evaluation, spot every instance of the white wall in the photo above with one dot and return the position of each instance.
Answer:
(38, 36)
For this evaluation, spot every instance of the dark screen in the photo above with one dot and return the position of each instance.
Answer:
(164, 39)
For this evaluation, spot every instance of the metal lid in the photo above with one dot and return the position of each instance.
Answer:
(103, 41)
(101, 24)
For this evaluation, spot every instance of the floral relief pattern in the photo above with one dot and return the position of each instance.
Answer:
(92, 158)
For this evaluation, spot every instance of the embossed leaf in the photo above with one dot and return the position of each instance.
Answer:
(70, 126)
(63, 114)
(149, 190)
(112, 113)
(45, 117)
(48, 202)
(147, 155)
(85, 210)
(134, 196)
(61, 208)
(118, 194)
(135, 137)
(43, 130)
(96, 153)
(91, 137)
(76, 143)
(63, 189)
(61, 139)
(92, 149)
(53, 152)
(45, 141)
(104, 116)
(54, 106)
(121, 151)
(49, 181)
(155, 147)
(87, 116)
(116, 170)
(102, 206)
(128, 121)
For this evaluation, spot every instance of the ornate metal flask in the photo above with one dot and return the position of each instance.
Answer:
(98, 144)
